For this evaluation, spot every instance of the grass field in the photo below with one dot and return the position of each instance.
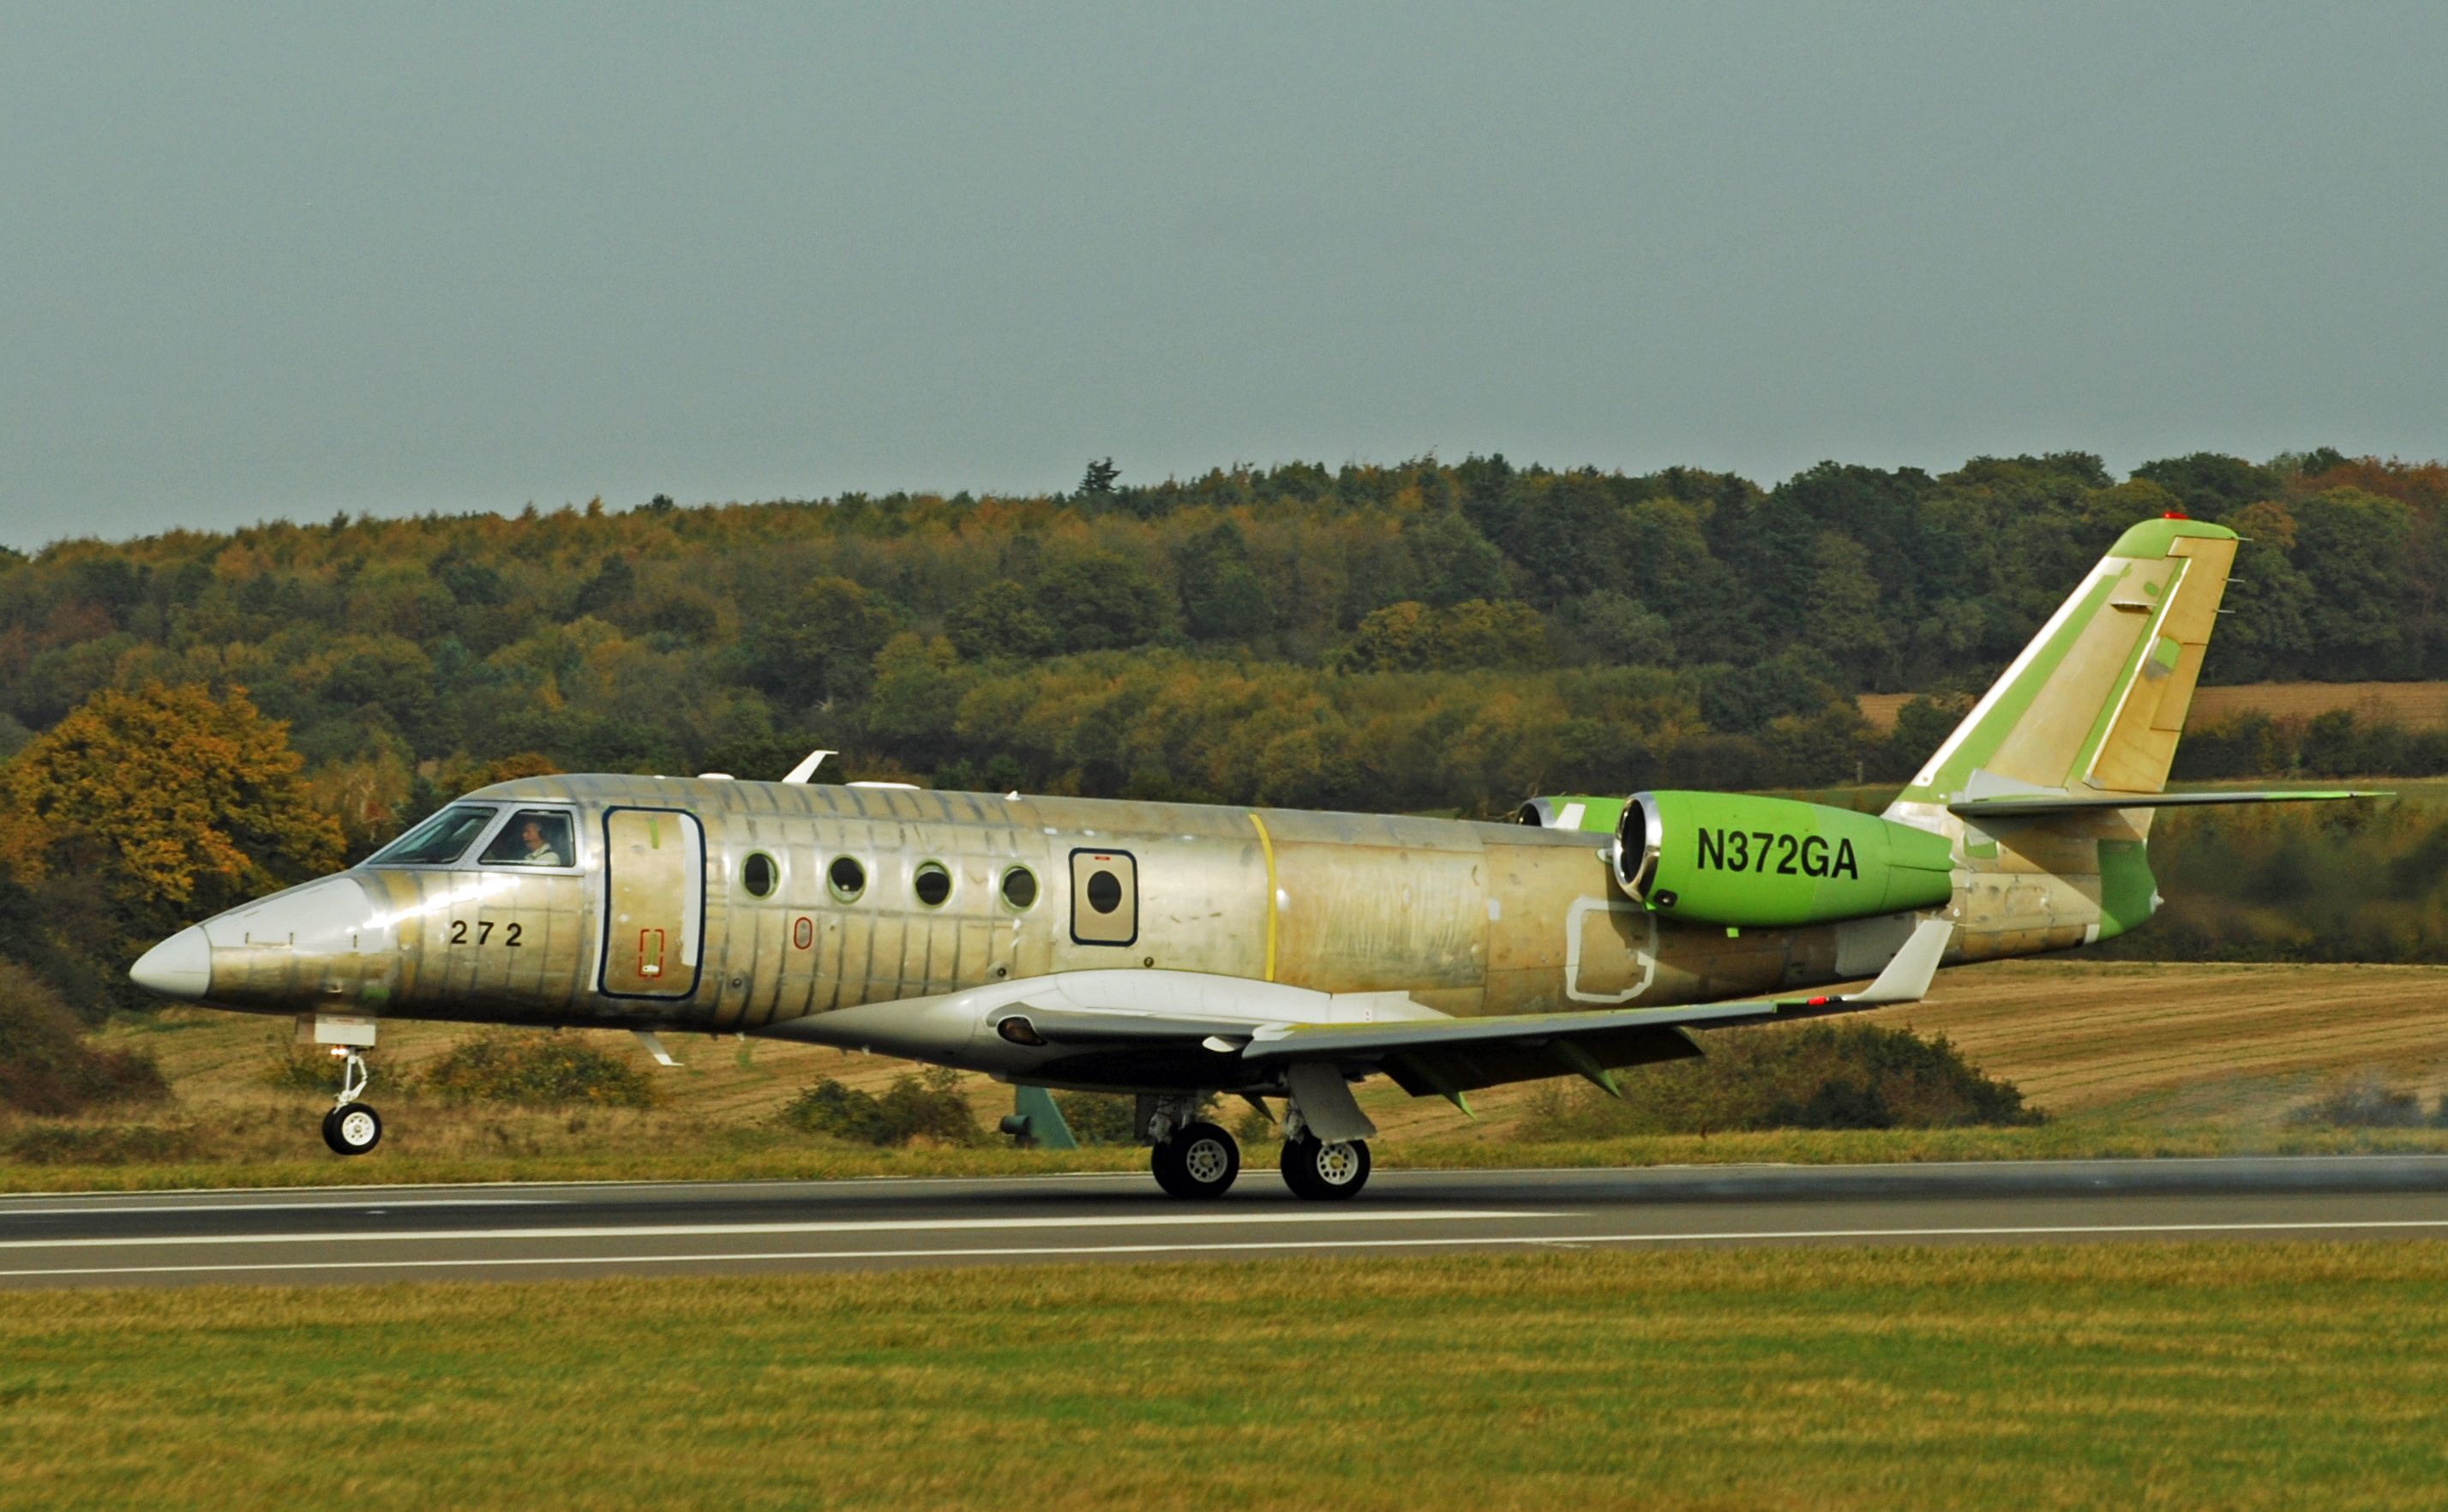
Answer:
(2278, 1375)
(2415, 705)
(2130, 1059)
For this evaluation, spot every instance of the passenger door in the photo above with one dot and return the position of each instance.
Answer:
(654, 910)
(1104, 897)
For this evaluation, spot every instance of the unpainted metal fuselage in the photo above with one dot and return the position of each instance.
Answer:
(655, 924)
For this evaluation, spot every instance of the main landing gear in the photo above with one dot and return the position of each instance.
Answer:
(1324, 1172)
(1197, 1161)
(353, 1127)
(1195, 1158)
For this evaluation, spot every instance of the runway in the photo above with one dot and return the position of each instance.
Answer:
(540, 1231)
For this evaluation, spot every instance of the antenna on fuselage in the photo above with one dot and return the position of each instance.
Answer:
(807, 768)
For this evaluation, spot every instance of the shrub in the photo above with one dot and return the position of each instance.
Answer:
(102, 1143)
(538, 1071)
(1099, 1117)
(2365, 1102)
(303, 1070)
(1819, 1076)
(47, 1067)
(927, 1106)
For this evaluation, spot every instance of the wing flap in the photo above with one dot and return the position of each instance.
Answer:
(1328, 1042)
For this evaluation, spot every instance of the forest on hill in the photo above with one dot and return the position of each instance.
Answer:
(1428, 635)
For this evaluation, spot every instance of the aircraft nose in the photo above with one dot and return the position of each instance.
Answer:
(180, 967)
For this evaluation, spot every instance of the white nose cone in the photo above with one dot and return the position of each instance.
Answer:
(180, 967)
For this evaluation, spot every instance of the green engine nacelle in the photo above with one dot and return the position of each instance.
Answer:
(1741, 861)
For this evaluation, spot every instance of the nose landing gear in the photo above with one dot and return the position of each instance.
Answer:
(353, 1127)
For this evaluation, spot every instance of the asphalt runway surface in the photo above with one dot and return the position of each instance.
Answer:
(540, 1231)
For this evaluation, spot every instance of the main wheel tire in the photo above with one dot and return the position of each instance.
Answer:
(1326, 1173)
(352, 1129)
(1198, 1162)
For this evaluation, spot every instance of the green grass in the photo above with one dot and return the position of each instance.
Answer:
(2231, 1376)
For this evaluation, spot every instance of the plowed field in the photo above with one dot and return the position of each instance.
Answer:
(2212, 1041)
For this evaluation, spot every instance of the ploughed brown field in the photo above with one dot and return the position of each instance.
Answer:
(2191, 1042)
(2415, 705)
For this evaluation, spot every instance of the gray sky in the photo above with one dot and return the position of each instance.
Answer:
(271, 261)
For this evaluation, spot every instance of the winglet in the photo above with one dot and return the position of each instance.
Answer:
(1907, 977)
(807, 767)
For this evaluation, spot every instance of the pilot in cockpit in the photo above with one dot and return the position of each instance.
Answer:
(533, 839)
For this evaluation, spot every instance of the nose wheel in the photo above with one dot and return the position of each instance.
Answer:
(352, 1130)
(353, 1127)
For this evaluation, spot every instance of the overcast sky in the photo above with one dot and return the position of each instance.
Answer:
(283, 261)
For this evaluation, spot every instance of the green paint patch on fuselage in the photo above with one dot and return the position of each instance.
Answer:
(2128, 892)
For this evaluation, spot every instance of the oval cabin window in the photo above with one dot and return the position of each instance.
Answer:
(1104, 892)
(759, 875)
(1019, 888)
(848, 879)
(933, 883)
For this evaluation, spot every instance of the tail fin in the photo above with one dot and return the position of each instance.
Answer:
(2095, 704)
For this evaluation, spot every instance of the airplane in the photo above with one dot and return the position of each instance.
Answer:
(1182, 951)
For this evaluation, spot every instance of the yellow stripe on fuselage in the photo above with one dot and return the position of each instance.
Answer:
(1267, 849)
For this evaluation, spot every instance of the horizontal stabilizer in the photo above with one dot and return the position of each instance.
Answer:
(2033, 805)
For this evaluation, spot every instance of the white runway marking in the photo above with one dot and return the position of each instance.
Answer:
(702, 1230)
(1251, 1246)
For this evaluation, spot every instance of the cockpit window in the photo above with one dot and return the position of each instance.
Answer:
(534, 837)
(438, 841)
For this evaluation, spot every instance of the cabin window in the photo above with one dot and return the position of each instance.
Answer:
(847, 879)
(759, 875)
(933, 883)
(1019, 888)
(534, 837)
(438, 841)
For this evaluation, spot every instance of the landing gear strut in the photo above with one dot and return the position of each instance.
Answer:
(1191, 1157)
(353, 1127)
(1329, 1166)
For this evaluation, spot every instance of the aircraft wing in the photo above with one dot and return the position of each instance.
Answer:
(1426, 1053)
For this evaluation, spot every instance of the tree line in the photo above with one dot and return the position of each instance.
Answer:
(1427, 636)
